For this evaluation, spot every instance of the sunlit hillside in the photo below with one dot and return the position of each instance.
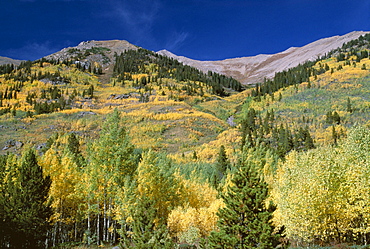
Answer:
(148, 151)
(40, 98)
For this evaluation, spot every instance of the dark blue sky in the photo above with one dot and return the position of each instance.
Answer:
(199, 29)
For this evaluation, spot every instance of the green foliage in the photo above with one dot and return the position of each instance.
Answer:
(290, 77)
(245, 222)
(333, 117)
(113, 150)
(135, 61)
(200, 170)
(23, 200)
(142, 232)
(6, 68)
(322, 195)
(157, 181)
(222, 165)
(112, 161)
(281, 139)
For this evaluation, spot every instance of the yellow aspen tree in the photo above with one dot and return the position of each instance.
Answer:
(156, 180)
(307, 196)
(198, 215)
(323, 194)
(65, 196)
(355, 157)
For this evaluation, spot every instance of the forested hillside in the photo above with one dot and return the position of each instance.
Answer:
(150, 153)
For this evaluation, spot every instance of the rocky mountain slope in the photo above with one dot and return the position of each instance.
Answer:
(101, 52)
(249, 70)
(6, 60)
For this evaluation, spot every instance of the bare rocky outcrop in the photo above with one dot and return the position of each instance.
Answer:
(249, 70)
(88, 52)
(12, 143)
(84, 113)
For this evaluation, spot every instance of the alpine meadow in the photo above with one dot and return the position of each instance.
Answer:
(108, 144)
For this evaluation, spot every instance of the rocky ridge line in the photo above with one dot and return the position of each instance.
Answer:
(253, 69)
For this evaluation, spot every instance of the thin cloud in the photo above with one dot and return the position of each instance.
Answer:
(137, 17)
(176, 41)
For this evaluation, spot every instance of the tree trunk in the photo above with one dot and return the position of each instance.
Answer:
(55, 233)
(98, 227)
(88, 222)
(105, 219)
(109, 238)
(75, 230)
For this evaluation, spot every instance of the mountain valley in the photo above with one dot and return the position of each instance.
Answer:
(127, 136)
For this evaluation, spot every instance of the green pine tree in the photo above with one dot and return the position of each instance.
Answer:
(349, 106)
(25, 209)
(143, 232)
(222, 165)
(245, 222)
(336, 118)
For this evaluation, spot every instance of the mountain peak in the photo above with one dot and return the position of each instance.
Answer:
(253, 69)
(167, 53)
(119, 45)
(94, 51)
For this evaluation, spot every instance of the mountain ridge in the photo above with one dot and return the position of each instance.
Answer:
(88, 49)
(253, 69)
(7, 60)
(247, 70)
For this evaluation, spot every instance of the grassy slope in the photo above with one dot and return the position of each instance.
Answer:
(160, 124)
(180, 127)
(329, 92)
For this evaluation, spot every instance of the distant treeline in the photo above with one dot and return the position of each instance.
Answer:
(356, 48)
(279, 138)
(135, 61)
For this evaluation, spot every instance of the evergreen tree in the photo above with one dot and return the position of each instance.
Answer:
(25, 209)
(285, 141)
(336, 117)
(280, 97)
(334, 135)
(222, 164)
(349, 106)
(245, 221)
(73, 146)
(329, 118)
(143, 232)
(195, 156)
(309, 143)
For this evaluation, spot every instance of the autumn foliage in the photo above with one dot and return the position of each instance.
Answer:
(161, 155)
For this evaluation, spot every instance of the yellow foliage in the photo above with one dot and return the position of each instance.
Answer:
(139, 76)
(325, 136)
(324, 193)
(65, 177)
(199, 210)
(205, 219)
(230, 138)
